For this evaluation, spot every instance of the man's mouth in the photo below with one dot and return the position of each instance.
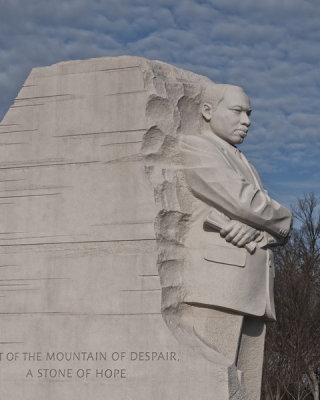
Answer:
(241, 132)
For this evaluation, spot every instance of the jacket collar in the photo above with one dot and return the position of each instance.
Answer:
(221, 144)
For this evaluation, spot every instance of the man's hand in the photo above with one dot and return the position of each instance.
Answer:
(238, 234)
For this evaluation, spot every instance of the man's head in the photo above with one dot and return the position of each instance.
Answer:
(225, 110)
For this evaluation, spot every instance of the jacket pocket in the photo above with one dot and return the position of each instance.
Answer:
(226, 255)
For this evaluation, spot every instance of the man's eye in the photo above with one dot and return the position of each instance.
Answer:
(236, 110)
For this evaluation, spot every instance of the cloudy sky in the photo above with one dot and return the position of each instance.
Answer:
(269, 47)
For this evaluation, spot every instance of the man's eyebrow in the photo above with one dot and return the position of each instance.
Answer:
(242, 107)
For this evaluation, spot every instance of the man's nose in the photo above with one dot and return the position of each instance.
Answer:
(245, 120)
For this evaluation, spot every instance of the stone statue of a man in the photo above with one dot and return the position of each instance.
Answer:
(228, 273)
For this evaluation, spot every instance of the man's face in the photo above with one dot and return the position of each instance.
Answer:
(230, 120)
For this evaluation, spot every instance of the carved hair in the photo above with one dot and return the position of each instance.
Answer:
(214, 93)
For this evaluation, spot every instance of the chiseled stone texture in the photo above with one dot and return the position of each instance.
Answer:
(87, 176)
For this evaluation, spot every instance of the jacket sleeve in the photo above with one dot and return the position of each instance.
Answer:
(212, 179)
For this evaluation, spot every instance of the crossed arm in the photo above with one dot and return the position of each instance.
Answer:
(213, 180)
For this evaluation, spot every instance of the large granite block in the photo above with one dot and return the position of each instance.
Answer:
(86, 151)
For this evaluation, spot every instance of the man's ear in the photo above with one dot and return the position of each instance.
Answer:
(206, 111)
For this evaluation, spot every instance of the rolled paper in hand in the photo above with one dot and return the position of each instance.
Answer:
(217, 221)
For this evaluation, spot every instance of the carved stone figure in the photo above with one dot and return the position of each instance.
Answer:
(227, 291)
(116, 176)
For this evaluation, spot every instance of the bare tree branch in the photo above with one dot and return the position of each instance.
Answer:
(292, 356)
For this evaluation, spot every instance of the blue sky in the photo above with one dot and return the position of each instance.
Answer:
(269, 47)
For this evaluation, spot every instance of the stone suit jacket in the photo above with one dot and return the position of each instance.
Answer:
(217, 273)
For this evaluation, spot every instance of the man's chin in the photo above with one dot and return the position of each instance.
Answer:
(237, 139)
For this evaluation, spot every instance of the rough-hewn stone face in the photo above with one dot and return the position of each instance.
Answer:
(91, 201)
